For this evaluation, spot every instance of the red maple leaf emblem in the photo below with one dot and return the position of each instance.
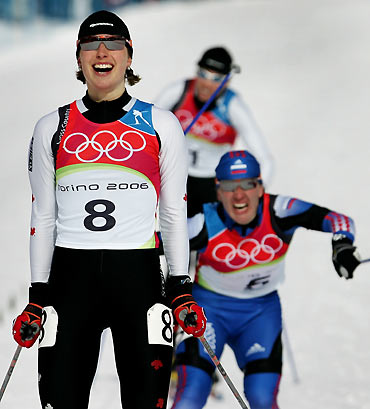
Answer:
(33, 198)
(160, 403)
(156, 364)
(33, 231)
(185, 197)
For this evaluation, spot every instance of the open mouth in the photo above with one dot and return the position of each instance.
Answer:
(240, 206)
(103, 67)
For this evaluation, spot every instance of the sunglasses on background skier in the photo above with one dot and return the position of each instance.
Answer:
(232, 185)
(208, 75)
(112, 43)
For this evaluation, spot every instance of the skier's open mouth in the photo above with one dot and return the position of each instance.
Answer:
(240, 206)
(103, 67)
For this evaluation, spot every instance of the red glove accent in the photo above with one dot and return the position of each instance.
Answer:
(26, 327)
(190, 316)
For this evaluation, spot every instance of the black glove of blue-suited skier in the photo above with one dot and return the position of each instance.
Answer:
(345, 256)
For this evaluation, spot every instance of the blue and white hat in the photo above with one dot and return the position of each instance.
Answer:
(237, 165)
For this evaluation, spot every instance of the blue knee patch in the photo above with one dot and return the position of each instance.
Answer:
(193, 388)
(261, 390)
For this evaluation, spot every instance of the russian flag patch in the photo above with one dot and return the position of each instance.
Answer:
(238, 168)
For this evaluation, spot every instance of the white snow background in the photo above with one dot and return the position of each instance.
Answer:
(306, 76)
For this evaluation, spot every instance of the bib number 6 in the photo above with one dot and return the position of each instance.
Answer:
(99, 218)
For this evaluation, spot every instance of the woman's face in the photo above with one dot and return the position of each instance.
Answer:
(104, 71)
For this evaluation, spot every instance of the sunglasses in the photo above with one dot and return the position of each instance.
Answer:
(113, 43)
(208, 75)
(231, 185)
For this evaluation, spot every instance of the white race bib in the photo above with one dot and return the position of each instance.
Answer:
(160, 325)
(49, 327)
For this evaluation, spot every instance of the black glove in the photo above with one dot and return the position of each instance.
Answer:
(188, 314)
(345, 257)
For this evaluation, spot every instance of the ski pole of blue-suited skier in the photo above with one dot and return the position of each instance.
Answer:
(223, 372)
(235, 69)
(289, 351)
(10, 371)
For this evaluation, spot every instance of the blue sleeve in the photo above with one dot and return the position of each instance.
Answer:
(291, 213)
(339, 223)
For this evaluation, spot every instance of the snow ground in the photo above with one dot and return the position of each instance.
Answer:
(305, 74)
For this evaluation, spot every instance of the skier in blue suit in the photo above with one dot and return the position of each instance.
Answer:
(242, 241)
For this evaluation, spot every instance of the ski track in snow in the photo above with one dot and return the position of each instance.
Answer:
(305, 74)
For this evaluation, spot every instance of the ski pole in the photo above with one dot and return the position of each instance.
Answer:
(223, 372)
(236, 70)
(10, 370)
(289, 351)
(365, 261)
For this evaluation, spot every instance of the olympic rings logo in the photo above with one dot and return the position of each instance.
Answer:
(210, 129)
(247, 250)
(98, 148)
